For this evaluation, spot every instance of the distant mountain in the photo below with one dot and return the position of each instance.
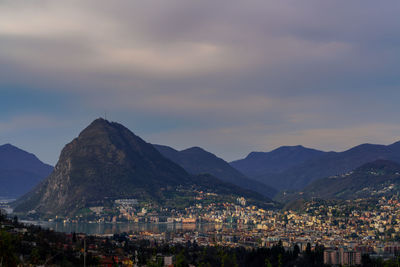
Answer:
(196, 160)
(258, 164)
(325, 164)
(335, 163)
(107, 162)
(375, 179)
(20, 171)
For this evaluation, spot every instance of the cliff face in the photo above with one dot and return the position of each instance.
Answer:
(106, 161)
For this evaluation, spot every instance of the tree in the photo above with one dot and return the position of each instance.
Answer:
(229, 261)
(7, 255)
(308, 249)
(3, 215)
(309, 255)
(74, 237)
(296, 251)
(158, 262)
(35, 256)
(366, 260)
(15, 221)
(181, 260)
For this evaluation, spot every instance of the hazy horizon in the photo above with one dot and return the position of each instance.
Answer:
(180, 149)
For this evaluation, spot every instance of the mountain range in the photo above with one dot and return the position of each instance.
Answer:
(196, 160)
(293, 168)
(20, 171)
(108, 162)
(108, 159)
(259, 164)
(371, 180)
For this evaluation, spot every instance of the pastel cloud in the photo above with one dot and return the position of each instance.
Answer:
(254, 71)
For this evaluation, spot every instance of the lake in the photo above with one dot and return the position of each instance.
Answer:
(113, 228)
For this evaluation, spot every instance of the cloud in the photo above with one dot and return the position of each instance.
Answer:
(248, 70)
(27, 122)
(256, 40)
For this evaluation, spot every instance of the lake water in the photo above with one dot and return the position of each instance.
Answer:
(113, 228)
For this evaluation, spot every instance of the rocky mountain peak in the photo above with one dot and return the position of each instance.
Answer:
(108, 161)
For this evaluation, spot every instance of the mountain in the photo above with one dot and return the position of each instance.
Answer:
(375, 179)
(196, 160)
(262, 163)
(20, 171)
(108, 162)
(327, 164)
(335, 163)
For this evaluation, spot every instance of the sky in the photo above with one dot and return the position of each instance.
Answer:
(229, 76)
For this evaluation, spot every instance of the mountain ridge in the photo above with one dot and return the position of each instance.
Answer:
(19, 171)
(371, 180)
(196, 160)
(107, 162)
(259, 163)
(326, 164)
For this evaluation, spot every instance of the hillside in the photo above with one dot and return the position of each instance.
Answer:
(258, 164)
(20, 171)
(108, 162)
(371, 180)
(196, 160)
(327, 164)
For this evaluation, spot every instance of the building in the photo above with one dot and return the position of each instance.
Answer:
(342, 257)
(331, 257)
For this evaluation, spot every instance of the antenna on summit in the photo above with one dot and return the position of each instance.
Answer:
(105, 115)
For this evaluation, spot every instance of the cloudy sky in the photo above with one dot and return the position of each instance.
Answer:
(229, 76)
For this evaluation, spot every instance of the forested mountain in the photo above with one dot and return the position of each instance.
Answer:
(196, 160)
(371, 180)
(324, 164)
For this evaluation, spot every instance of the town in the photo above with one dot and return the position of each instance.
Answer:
(343, 233)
